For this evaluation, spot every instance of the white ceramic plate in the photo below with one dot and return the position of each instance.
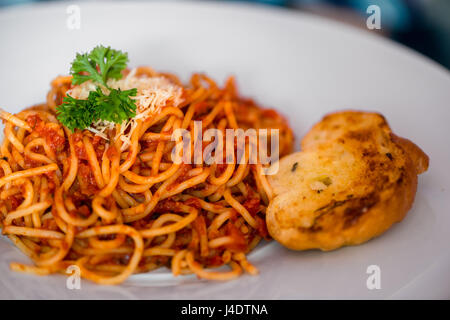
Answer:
(300, 64)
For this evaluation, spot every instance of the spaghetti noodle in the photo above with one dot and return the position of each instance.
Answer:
(115, 207)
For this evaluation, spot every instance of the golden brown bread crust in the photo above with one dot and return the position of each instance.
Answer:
(352, 180)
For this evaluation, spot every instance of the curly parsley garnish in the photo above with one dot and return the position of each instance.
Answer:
(75, 113)
(99, 65)
(116, 107)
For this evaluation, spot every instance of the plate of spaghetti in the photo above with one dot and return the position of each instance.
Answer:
(129, 171)
(105, 195)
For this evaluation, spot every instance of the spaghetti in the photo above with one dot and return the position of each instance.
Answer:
(115, 206)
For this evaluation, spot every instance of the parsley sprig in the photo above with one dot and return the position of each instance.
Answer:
(99, 65)
(109, 62)
(80, 114)
(75, 113)
(115, 107)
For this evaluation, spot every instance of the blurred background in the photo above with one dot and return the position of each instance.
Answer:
(423, 25)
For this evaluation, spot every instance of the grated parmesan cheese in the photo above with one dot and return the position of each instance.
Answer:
(153, 93)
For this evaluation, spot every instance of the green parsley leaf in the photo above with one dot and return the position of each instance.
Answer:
(80, 114)
(115, 107)
(75, 113)
(99, 65)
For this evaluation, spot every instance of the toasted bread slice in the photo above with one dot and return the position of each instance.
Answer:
(352, 180)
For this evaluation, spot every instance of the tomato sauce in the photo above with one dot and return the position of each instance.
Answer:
(80, 151)
(193, 202)
(88, 185)
(239, 243)
(262, 228)
(99, 146)
(252, 205)
(51, 132)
